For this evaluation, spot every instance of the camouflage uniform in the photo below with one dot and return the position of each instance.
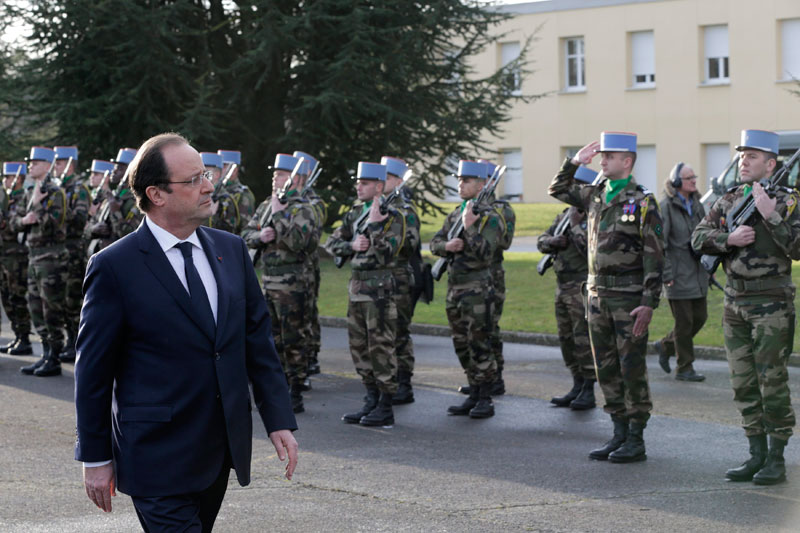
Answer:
(508, 219)
(245, 202)
(227, 216)
(758, 318)
(571, 268)
(470, 294)
(119, 222)
(78, 198)
(14, 264)
(284, 284)
(626, 259)
(313, 332)
(371, 311)
(47, 263)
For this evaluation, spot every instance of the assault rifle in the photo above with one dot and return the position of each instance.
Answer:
(386, 201)
(105, 212)
(547, 261)
(222, 183)
(14, 183)
(96, 196)
(359, 226)
(315, 172)
(22, 236)
(477, 206)
(64, 172)
(744, 211)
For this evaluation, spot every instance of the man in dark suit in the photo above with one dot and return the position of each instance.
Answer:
(173, 328)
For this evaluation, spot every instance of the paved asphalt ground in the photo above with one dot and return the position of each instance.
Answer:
(526, 469)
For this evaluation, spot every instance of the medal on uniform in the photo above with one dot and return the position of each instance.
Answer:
(628, 211)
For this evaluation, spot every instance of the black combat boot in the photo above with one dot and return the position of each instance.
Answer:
(620, 435)
(6, 347)
(758, 455)
(499, 386)
(29, 369)
(313, 364)
(470, 402)
(774, 469)
(23, 347)
(585, 399)
(382, 415)
(633, 449)
(67, 355)
(484, 408)
(296, 393)
(51, 366)
(370, 402)
(405, 394)
(564, 401)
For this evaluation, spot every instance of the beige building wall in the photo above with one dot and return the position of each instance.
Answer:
(679, 116)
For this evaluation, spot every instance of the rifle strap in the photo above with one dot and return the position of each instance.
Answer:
(499, 212)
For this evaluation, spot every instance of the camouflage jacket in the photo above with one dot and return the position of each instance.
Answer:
(120, 222)
(411, 241)
(295, 237)
(626, 247)
(245, 203)
(52, 212)
(385, 239)
(78, 199)
(508, 220)
(320, 208)
(227, 216)
(481, 241)
(572, 259)
(770, 256)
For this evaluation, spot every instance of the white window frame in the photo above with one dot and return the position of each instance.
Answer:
(580, 59)
(510, 52)
(790, 49)
(643, 59)
(716, 53)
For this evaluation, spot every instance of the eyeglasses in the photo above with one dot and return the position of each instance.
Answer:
(693, 177)
(196, 180)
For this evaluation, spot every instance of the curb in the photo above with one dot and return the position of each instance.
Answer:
(713, 353)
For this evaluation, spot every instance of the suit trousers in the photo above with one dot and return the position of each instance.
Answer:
(690, 316)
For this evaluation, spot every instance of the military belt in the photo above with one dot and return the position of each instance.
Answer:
(370, 274)
(607, 282)
(466, 277)
(565, 277)
(280, 270)
(763, 284)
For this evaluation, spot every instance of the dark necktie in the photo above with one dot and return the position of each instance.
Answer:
(197, 291)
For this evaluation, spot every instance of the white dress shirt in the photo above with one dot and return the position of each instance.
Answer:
(168, 243)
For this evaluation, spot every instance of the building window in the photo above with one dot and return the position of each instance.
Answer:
(574, 68)
(512, 180)
(645, 170)
(509, 52)
(716, 54)
(643, 59)
(717, 157)
(790, 49)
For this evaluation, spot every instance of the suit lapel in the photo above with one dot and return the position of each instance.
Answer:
(156, 261)
(215, 259)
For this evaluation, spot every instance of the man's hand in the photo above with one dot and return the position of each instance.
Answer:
(114, 205)
(742, 236)
(99, 482)
(764, 204)
(284, 443)
(375, 211)
(267, 235)
(559, 243)
(643, 315)
(38, 195)
(276, 204)
(101, 230)
(360, 243)
(30, 218)
(468, 217)
(454, 245)
(586, 154)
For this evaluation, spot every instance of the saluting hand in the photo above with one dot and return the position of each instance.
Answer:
(643, 315)
(764, 204)
(586, 154)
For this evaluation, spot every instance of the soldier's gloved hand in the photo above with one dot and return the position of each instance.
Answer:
(101, 230)
(560, 242)
(267, 235)
(742, 236)
(114, 205)
(454, 245)
(360, 243)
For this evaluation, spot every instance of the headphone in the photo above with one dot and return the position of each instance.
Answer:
(675, 176)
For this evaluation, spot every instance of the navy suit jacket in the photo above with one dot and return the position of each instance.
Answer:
(157, 392)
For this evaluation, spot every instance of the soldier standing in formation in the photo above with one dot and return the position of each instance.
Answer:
(759, 316)
(571, 268)
(43, 222)
(469, 288)
(226, 212)
(14, 262)
(685, 279)
(283, 231)
(626, 260)
(242, 195)
(372, 240)
(403, 297)
(78, 198)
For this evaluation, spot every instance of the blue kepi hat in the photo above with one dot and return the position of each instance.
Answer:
(65, 152)
(371, 171)
(231, 156)
(41, 153)
(490, 167)
(766, 141)
(10, 168)
(125, 156)
(211, 159)
(617, 141)
(394, 165)
(285, 162)
(98, 165)
(310, 163)
(472, 169)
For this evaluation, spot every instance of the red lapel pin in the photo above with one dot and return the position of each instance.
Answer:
(219, 258)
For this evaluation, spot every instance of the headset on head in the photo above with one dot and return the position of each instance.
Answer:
(675, 178)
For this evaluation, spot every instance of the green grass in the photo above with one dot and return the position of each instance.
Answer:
(529, 301)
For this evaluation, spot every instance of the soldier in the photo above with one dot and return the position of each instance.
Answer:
(284, 233)
(242, 195)
(685, 279)
(371, 240)
(571, 268)
(403, 275)
(118, 213)
(43, 221)
(78, 199)
(758, 315)
(14, 262)
(226, 212)
(470, 294)
(626, 260)
(313, 335)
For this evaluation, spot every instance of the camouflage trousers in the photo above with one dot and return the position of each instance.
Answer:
(14, 288)
(76, 270)
(495, 340)
(619, 356)
(314, 339)
(47, 278)
(758, 340)
(469, 312)
(371, 331)
(573, 329)
(404, 346)
(286, 297)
